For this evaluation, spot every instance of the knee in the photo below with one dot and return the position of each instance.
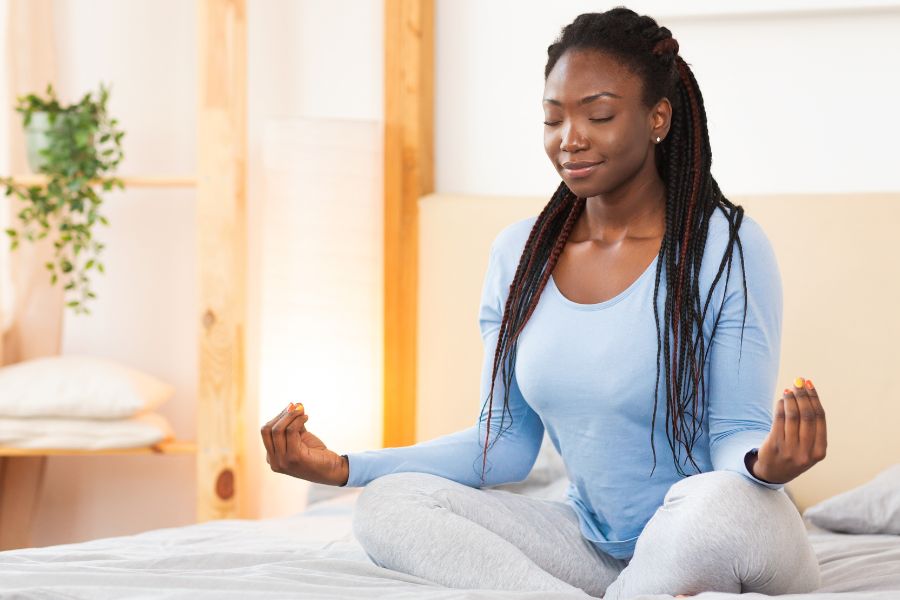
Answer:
(728, 494)
(385, 504)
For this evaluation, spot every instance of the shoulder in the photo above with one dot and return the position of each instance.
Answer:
(753, 262)
(754, 243)
(509, 244)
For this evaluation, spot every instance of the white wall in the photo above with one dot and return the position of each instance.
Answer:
(797, 101)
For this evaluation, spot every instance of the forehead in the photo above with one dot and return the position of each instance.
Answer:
(579, 73)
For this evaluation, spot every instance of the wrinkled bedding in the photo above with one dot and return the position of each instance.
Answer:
(313, 554)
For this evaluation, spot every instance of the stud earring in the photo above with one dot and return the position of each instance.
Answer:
(657, 139)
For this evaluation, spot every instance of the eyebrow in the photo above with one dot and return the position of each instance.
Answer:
(586, 99)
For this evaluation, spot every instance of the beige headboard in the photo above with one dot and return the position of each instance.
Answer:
(841, 273)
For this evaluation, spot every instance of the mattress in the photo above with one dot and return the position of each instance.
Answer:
(313, 554)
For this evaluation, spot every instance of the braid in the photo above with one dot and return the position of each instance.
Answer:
(684, 161)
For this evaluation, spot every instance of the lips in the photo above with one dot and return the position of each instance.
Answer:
(576, 170)
(578, 165)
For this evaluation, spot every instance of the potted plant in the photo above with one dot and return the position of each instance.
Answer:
(76, 148)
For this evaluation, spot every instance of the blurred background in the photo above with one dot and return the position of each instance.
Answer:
(799, 97)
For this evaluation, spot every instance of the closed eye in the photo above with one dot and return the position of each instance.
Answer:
(552, 123)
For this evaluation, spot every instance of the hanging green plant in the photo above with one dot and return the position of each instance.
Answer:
(76, 148)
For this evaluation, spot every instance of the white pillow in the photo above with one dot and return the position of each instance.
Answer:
(78, 386)
(873, 507)
(85, 434)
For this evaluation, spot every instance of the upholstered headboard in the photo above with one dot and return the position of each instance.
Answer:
(841, 279)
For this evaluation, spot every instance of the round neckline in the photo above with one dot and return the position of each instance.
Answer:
(606, 303)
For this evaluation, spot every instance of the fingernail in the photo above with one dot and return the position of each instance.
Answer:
(809, 384)
(298, 406)
(786, 391)
(290, 407)
(798, 382)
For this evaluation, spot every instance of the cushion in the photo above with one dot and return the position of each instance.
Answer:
(80, 387)
(85, 434)
(871, 508)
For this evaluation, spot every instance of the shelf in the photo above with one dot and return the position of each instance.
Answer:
(130, 182)
(167, 447)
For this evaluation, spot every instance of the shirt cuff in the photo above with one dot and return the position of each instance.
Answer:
(747, 473)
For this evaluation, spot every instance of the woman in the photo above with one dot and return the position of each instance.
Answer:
(637, 256)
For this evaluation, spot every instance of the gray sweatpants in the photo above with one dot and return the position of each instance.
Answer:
(716, 531)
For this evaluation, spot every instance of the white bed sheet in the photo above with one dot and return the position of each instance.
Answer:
(313, 554)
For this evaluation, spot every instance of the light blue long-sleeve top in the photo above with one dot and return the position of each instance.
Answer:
(586, 373)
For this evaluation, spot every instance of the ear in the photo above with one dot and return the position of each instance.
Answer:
(660, 119)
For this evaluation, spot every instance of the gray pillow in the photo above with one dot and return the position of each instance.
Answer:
(873, 507)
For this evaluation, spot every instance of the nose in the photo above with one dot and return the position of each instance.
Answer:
(572, 140)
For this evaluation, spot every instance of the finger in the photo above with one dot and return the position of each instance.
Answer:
(292, 436)
(807, 432)
(266, 433)
(279, 433)
(791, 422)
(821, 442)
(777, 432)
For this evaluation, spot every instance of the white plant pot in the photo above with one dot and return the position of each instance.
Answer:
(36, 139)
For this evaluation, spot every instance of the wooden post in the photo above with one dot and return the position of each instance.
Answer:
(408, 175)
(221, 198)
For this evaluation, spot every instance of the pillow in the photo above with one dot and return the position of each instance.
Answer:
(873, 507)
(85, 434)
(80, 387)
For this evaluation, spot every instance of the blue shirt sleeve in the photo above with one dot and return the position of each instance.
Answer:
(742, 375)
(458, 456)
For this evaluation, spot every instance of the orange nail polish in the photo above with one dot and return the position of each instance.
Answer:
(809, 384)
(786, 391)
(291, 406)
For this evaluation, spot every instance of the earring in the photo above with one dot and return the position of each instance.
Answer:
(657, 139)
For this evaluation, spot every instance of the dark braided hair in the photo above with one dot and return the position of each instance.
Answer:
(683, 160)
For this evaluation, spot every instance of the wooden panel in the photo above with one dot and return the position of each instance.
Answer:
(408, 174)
(20, 487)
(221, 198)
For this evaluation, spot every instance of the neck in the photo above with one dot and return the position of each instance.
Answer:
(634, 209)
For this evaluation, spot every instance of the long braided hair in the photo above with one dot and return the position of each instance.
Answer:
(683, 160)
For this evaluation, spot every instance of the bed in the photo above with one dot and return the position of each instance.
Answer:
(313, 554)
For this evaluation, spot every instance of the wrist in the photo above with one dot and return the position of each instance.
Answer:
(345, 470)
(751, 460)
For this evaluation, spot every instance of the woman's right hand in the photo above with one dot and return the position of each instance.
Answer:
(294, 451)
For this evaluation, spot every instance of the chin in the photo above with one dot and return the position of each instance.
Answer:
(584, 189)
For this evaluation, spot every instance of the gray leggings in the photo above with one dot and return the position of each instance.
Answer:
(716, 531)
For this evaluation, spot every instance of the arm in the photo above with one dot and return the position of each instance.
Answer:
(458, 456)
(742, 377)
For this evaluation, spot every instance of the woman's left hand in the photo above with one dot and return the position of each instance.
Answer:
(798, 437)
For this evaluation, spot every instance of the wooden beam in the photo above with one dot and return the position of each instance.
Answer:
(170, 447)
(130, 182)
(408, 175)
(221, 223)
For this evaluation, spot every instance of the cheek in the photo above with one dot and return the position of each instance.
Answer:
(551, 144)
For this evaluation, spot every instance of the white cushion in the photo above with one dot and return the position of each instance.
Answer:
(872, 508)
(85, 434)
(79, 387)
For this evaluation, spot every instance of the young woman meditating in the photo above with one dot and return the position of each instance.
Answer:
(638, 285)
